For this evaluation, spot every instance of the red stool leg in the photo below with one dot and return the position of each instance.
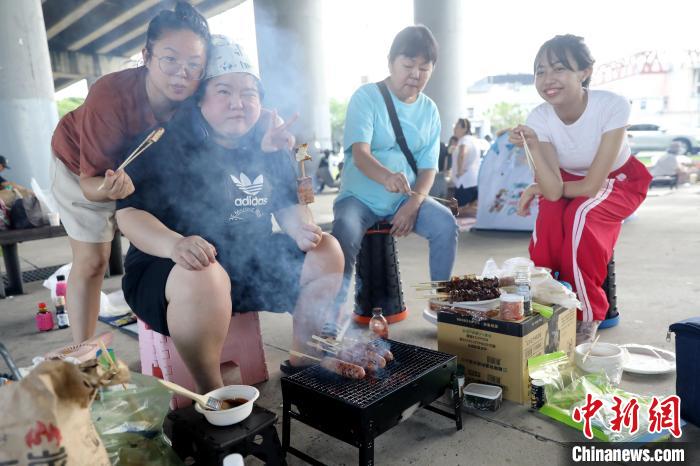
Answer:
(244, 347)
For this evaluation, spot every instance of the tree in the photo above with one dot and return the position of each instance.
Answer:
(68, 105)
(338, 109)
(506, 115)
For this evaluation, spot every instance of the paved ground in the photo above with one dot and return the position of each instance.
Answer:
(657, 284)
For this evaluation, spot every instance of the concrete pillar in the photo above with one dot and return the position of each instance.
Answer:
(28, 112)
(446, 86)
(290, 56)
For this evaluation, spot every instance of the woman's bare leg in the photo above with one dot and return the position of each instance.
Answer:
(199, 314)
(321, 277)
(83, 288)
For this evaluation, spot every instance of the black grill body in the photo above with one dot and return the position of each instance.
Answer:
(358, 411)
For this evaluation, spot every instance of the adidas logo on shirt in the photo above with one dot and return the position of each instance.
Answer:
(251, 188)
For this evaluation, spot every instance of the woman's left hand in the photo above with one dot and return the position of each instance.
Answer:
(526, 199)
(405, 219)
(277, 137)
(308, 236)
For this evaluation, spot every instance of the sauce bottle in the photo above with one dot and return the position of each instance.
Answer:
(378, 323)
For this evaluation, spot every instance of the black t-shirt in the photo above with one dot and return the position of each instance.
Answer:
(194, 186)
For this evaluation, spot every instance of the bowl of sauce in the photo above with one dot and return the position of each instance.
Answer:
(237, 404)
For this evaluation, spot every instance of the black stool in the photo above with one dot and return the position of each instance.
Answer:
(192, 436)
(612, 318)
(377, 277)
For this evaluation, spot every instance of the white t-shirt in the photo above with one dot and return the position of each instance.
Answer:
(472, 159)
(577, 144)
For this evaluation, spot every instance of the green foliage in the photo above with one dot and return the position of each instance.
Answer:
(338, 109)
(506, 115)
(68, 105)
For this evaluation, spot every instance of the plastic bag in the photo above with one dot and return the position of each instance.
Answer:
(566, 389)
(45, 197)
(546, 290)
(130, 422)
(107, 308)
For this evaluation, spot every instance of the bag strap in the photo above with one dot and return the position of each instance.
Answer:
(398, 132)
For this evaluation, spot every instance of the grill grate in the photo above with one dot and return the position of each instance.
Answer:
(410, 363)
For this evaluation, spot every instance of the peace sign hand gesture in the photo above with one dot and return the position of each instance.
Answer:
(277, 137)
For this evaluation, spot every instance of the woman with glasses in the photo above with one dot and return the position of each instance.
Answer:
(90, 140)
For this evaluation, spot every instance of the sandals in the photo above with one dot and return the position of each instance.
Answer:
(287, 368)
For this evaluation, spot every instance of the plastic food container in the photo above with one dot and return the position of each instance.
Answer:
(483, 397)
(512, 307)
(605, 357)
(227, 417)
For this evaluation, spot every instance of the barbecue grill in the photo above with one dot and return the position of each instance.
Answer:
(358, 411)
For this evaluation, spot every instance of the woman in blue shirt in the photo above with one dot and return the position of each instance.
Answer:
(378, 182)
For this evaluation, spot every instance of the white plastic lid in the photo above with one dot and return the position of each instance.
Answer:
(511, 298)
(491, 392)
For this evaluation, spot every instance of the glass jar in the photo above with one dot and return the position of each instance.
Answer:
(511, 307)
(522, 286)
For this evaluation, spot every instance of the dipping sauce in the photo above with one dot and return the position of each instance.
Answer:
(229, 403)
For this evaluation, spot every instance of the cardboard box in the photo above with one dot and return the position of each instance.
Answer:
(496, 352)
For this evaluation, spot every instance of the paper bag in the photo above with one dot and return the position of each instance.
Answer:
(46, 418)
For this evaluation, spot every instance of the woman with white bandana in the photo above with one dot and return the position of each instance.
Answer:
(200, 223)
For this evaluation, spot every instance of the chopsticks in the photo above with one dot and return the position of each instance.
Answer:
(145, 144)
(590, 348)
(528, 154)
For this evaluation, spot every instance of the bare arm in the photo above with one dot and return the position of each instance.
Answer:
(117, 185)
(370, 166)
(601, 167)
(149, 235)
(146, 232)
(297, 221)
(544, 155)
(461, 160)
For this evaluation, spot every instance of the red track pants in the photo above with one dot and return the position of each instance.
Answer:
(577, 236)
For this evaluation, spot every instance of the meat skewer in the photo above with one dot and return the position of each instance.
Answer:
(305, 186)
(345, 369)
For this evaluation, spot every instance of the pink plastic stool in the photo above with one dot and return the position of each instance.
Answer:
(243, 347)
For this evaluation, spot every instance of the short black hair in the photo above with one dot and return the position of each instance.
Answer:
(555, 50)
(185, 16)
(414, 41)
(199, 93)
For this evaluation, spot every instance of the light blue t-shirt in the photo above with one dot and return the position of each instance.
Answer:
(367, 120)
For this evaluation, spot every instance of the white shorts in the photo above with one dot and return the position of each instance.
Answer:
(84, 220)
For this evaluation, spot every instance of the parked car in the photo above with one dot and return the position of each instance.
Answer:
(652, 137)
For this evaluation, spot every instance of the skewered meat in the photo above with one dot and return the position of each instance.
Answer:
(363, 356)
(342, 368)
(384, 353)
(469, 288)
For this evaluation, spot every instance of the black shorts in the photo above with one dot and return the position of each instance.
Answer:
(466, 195)
(259, 287)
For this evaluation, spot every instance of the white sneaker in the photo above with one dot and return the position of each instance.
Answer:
(585, 331)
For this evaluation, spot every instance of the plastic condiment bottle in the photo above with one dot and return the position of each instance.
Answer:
(378, 323)
(61, 286)
(522, 287)
(44, 318)
(61, 314)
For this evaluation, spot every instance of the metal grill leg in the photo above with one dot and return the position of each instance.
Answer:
(367, 453)
(457, 402)
(286, 425)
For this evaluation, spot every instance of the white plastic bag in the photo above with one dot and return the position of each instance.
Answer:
(111, 306)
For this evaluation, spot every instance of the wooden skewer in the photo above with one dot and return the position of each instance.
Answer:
(302, 355)
(447, 201)
(112, 363)
(320, 347)
(145, 144)
(590, 348)
(528, 154)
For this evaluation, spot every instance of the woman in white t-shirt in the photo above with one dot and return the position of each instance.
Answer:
(466, 159)
(586, 181)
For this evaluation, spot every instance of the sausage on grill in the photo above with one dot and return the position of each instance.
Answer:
(342, 368)
(387, 355)
(364, 356)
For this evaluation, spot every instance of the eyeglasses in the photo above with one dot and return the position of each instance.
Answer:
(171, 67)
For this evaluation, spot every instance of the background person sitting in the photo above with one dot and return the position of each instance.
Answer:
(200, 223)
(674, 163)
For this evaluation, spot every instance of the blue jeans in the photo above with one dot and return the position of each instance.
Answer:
(435, 223)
